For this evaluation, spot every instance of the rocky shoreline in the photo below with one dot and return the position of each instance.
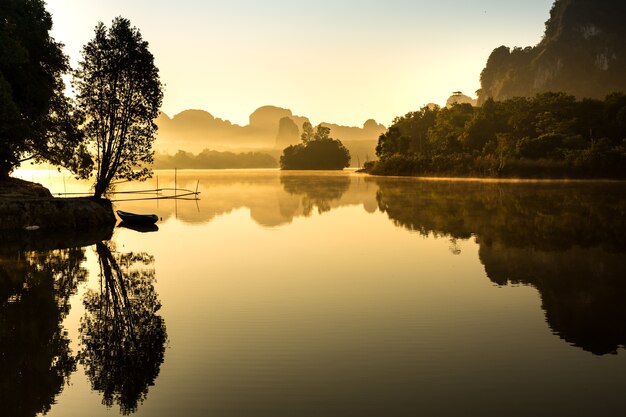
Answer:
(29, 206)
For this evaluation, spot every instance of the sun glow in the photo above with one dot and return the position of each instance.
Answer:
(341, 62)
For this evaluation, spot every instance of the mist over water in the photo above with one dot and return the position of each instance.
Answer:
(326, 293)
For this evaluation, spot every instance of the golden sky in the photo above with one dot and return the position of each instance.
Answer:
(341, 61)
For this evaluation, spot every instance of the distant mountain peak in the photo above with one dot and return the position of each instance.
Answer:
(193, 114)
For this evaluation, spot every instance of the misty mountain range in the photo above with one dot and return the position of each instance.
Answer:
(270, 128)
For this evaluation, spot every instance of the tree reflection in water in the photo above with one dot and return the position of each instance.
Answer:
(122, 337)
(35, 357)
(316, 191)
(568, 240)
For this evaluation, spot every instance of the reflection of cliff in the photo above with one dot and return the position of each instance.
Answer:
(35, 357)
(273, 198)
(122, 337)
(567, 240)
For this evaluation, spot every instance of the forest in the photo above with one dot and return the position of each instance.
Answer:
(551, 135)
(210, 159)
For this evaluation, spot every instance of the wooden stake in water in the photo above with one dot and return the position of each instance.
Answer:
(175, 182)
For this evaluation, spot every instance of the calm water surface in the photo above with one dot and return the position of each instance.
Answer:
(295, 294)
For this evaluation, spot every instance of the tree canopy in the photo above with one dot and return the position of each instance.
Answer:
(119, 90)
(550, 135)
(37, 121)
(317, 151)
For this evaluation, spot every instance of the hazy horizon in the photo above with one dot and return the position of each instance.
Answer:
(344, 62)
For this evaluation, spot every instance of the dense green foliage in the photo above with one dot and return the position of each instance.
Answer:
(36, 120)
(208, 159)
(550, 135)
(582, 53)
(120, 93)
(317, 151)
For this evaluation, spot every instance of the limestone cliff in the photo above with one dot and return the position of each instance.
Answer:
(583, 53)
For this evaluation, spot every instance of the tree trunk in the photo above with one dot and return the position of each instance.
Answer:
(100, 188)
(5, 170)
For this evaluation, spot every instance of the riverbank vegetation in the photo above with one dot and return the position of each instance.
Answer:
(109, 125)
(549, 136)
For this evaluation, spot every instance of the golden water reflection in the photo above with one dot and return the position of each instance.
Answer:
(567, 239)
(337, 293)
(273, 198)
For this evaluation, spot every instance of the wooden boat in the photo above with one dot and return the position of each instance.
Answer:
(134, 218)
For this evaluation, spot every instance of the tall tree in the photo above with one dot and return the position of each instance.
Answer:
(119, 90)
(36, 120)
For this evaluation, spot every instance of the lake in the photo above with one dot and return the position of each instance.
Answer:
(323, 294)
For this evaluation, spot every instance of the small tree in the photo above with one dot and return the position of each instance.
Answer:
(120, 93)
(317, 151)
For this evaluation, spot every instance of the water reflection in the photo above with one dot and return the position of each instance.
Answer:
(316, 191)
(141, 228)
(273, 198)
(122, 336)
(35, 358)
(566, 240)
(375, 320)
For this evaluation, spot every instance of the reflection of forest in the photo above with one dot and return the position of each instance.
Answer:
(273, 198)
(566, 239)
(316, 191)
(35, 358)
(123, 340)
(122, 337)
(582, 289)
